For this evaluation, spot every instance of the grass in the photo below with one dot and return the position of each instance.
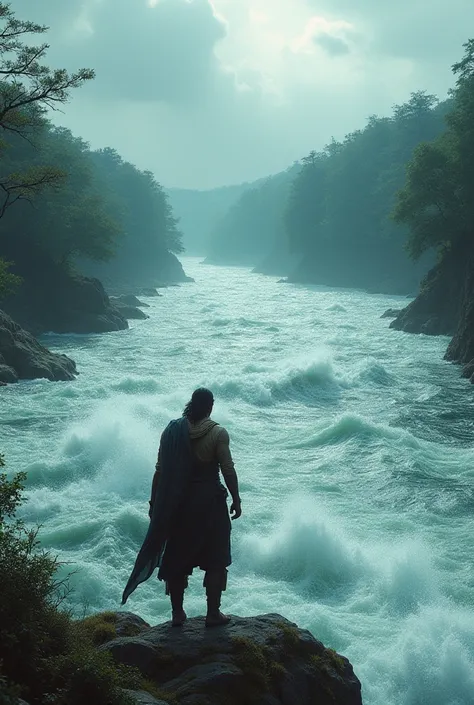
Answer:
(100, 628)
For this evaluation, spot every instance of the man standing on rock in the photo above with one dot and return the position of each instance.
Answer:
(190, 525)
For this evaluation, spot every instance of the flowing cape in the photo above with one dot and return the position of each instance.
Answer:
(176, 465)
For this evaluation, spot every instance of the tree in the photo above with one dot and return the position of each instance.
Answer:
(436, 200)
(28, 89)
(8, 281)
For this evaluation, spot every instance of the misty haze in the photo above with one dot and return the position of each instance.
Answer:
(236, 352)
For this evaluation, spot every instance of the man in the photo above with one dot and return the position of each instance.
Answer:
(190, 524)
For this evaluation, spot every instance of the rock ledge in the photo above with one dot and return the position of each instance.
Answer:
(263, 660)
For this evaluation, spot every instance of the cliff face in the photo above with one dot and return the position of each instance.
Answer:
(445, 306)
(461, 348)
(264, 660)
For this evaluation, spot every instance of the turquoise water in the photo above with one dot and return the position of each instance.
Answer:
(354, 447)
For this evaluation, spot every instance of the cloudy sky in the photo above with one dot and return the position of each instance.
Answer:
(213, 92)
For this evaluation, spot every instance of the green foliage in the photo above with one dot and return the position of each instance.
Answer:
(28, 89)
(93, 205)
(100, 628)
(8, 282)
(436, 200)
(46, 657)
(262, 673)
(337, 217)
(138, 203)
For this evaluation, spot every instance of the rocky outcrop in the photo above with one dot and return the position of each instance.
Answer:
(461, 348)
(391, 313)
(437, 308)
(23, 357)
(63, 303)
(265, 660)
(129, 300)
(445, 306)
(135, 277)
(126, 310)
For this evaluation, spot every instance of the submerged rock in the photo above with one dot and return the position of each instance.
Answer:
(23, 357)
(265, 660)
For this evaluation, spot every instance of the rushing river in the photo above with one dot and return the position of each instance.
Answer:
(354, 448)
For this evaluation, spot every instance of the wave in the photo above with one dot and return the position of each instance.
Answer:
(137, 385)
(353, 426)
(431, 660)
(311, 551)
(114, 449)
(337, 308)
(310, 381)
(308, 553)
(374, 372)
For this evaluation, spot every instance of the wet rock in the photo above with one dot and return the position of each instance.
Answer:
(129, 300)
(468, 371)
(262, 659)
(391, 313)
(129, 624)
(129, 312)
(23, 357)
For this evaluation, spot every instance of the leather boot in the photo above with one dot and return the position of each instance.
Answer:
(215, 582)
(175, 589)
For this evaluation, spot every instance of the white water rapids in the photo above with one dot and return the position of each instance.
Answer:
(354, 448)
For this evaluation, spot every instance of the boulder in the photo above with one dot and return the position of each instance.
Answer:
(391, 313)
(129, 624)
(23, 357)
(266, 660)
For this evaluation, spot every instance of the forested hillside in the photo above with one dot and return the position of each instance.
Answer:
(328, 219)
(339, 214)
(62, 205)
(436, 205)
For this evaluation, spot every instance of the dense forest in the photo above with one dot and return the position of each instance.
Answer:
(338, 216)
(63, 206)
(436, 206)
(328, 219)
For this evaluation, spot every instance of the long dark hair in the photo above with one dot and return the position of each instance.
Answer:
(200, 405)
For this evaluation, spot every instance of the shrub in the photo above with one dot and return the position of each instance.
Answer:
(47, 658)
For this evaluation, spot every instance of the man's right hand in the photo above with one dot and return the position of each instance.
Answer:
(235, 510)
